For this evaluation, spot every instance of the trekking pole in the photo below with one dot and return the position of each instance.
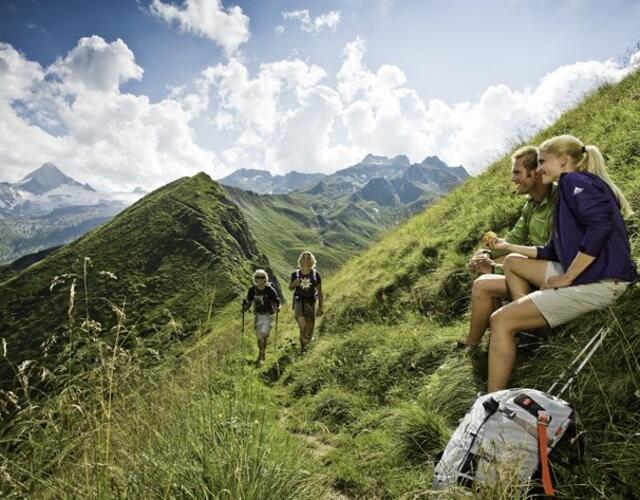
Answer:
(244, 306)
(276, 346)
(584, 355)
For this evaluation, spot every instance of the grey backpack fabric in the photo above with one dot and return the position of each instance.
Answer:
(501, 428)
(513, 428)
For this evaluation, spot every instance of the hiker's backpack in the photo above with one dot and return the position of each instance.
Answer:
(514, 430)
(314, 282)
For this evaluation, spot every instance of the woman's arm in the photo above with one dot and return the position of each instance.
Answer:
(295, 282)
(579, 263)
(320, 299)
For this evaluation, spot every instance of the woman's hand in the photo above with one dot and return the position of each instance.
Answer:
(560, 281)
(295, 283)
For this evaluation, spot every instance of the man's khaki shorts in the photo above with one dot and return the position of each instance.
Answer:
(561, 305)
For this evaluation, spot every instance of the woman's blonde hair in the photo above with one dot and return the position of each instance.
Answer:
(259, 273)
(313, 259)
(586, 159)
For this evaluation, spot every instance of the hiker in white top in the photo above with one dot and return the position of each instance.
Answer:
(307, 283)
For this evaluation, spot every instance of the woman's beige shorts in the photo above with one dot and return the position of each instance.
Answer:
(561, 305)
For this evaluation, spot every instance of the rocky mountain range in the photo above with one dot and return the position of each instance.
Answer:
(387, 181)
(48, 208)
(262, 182)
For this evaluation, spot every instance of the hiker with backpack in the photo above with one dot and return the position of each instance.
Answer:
(307, 285)
(532, 228)
(266, 304)
(585, 266)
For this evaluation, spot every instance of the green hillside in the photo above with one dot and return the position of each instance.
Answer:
(334, 230)
(365, 412)
(385, 388)
(184, 242)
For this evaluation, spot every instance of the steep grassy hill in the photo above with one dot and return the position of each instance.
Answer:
(177, 254)
(384, 388)
(365, 412)
(285, 225)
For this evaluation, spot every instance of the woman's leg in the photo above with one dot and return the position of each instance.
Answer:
(485, 290)
(505, 323)
(522, 273)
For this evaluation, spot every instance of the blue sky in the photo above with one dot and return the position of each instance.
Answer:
(126, 92)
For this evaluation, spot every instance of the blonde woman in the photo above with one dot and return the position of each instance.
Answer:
(307, 285)
(266, 303)
(585, 266)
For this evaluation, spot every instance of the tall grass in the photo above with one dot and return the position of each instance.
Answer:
(138, 423)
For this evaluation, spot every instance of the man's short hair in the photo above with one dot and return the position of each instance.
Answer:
(529, 155)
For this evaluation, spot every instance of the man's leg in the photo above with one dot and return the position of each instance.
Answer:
(522, 273)
(485, 290)
(505, 323)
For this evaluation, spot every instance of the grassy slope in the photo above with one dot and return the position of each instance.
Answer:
(181, 242)
(381, 388)
(285, 225)
(384, 386)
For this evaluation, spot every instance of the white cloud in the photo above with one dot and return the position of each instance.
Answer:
(384, 116)
(16, 73)
(286, 115)
(102, 136)
(95, 64)
(329, 20)
(246, 102)
(280, 29)
(302, 142)
(208, 19)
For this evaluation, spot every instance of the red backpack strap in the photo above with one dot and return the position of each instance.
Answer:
(543, 423)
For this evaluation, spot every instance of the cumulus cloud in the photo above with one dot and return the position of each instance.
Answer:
(329, 20)
(228, 28)
(101, 135)
(94, 64)
(474, 134)
(383, 115)
(254, 102)
(285, 115)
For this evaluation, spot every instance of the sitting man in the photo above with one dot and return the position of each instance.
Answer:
(534, 227)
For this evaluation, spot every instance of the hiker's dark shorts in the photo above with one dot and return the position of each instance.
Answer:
(305, 309)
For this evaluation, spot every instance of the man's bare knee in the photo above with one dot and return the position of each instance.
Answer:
(479, 287)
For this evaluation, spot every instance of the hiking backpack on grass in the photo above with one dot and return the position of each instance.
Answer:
(511, 430)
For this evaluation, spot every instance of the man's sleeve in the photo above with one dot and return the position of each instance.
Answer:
(519, 234)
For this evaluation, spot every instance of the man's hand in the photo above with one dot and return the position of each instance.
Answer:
(557, 282)
(498, 244)
(481, 264)
(320, 311)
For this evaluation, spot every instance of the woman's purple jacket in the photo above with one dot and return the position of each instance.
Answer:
(588, 219)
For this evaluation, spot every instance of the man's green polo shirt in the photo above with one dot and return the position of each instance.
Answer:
(534, 226)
